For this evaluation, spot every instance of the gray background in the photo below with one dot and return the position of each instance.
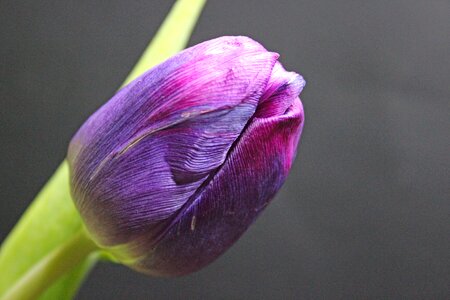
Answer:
(365, 211)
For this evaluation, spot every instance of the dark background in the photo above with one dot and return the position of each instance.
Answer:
(365, 211)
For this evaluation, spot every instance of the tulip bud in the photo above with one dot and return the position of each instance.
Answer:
(172, 170)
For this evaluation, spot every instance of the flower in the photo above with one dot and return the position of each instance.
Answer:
(172, 170)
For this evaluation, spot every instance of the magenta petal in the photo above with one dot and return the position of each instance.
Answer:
(282, 89)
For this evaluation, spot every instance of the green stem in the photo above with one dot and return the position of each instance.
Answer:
(171, 37)
(58, 262)
(52, 218)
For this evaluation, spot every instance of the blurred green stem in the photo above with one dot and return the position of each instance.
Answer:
(61, 260)
(171, 37)
(52, 220)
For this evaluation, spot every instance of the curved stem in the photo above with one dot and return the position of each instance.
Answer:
(171, 37)
(61, 260)
(52, 218)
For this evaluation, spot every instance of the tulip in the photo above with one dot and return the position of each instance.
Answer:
(172, 170)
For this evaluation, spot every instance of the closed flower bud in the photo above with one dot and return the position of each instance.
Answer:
(172, 170)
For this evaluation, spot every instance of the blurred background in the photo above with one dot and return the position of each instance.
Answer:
(365, 213)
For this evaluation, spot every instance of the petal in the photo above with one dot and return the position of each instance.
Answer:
(141, 156)
(216, 216)
(282, 89)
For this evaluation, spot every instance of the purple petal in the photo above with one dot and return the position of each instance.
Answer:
(175, 167)
(217, 215)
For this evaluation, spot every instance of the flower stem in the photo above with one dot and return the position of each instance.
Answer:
(61, 260)
(171, 37)
(52, 217)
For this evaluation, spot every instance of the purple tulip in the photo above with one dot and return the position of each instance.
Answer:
(172, 170)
